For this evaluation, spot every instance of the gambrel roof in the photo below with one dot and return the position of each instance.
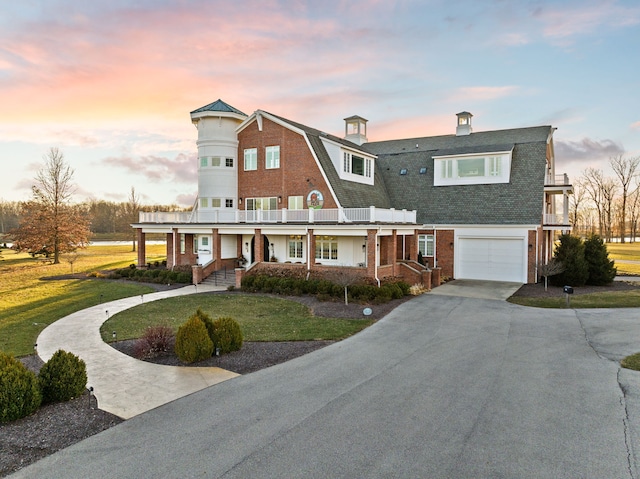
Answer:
(518, 202)
(349, 193)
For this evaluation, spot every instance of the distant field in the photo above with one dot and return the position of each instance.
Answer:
(625, 252)
(29, 302)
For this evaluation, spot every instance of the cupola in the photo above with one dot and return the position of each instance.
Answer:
(464, 123)
(355, 129)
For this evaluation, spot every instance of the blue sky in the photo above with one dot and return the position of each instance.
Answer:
(112, 83)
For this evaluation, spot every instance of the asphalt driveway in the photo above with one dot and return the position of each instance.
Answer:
(443, 387)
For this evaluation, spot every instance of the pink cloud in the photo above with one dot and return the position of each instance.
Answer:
(483, 93)
(181, 169)
(635, 126)
(562, 24)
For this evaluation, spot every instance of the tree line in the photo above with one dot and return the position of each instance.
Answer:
(50, 223)
(608, 206)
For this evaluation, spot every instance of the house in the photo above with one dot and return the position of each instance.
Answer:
(274, 193)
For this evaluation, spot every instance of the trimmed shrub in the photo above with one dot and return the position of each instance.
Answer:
(63, 377)
(154, 341)
(193, 342)
(601, 269)
(570, 252)
(208, 323)
(19, 391)
(227, 335)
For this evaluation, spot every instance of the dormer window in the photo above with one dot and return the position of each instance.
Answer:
(482, 168)
(356, 165)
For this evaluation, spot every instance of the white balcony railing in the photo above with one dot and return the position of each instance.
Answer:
(557, 180)
(556, 219)
(339, 215)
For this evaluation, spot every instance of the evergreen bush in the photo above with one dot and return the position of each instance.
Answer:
(570, 252)
(19, 391)
(63, 377)
(192, 341)
(601, 269)
(227, 335)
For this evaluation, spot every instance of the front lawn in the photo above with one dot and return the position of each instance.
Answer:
(261, 318)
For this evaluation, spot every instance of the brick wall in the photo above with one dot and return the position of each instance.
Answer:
(444, 251)
(298, 173)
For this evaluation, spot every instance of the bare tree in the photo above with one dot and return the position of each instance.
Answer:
(345, 277)
(634, 213)
(626, 169)
(552, 268)
(576, 205)
(132, 211)
(601, 190)
(50, 224)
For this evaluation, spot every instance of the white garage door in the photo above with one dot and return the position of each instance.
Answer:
(501, 259)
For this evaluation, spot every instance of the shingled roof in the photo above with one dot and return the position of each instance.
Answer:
(219, 106)
(349, 193)
(517, 202)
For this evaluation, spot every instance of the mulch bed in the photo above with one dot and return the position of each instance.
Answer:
(538, 290)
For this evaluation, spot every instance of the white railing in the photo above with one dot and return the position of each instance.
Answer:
(555, 219)
(339, 215)
(557, 180)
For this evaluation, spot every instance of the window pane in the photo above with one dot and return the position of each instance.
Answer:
(204, 161)
(215, 202)
(251, 159)
(296, 203)
(215, 161)
(471, 167)
(228, 162)
(204, 202)
(273, 157)
(357, 165)
(228, 203)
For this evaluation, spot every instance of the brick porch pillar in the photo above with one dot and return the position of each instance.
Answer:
(371, 253)
(142, 247)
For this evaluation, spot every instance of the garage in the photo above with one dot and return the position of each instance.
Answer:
(495, 259)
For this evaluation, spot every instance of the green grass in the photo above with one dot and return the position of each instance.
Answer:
(261, 318)
(621, 299)
(631, 362)
(628, 251)
(625, 252)
(29, 302)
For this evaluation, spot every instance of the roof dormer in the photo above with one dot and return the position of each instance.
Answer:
(355, 129)
(464, 123)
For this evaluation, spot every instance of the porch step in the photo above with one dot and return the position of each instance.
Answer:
(221, 278)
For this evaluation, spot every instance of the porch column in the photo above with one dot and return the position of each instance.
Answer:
(142, 247)
(215, 245)
(412, 244)
(175, 248)
(258, 246)
(311, 247)
(371, 253)
(392, 252)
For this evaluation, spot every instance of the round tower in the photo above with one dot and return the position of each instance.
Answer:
(217, 156)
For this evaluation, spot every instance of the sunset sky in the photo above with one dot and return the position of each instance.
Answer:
(112, 83)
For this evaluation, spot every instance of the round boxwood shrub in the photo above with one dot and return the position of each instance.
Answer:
(63, 377)
(19, 391)
(192, 341)
(227, 335)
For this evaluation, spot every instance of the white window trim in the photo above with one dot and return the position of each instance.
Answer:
(252, 155)
(446, 169)
(271, 162)
(423, 245)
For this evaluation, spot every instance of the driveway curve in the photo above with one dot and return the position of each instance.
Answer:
(123, 385)
(442, 387)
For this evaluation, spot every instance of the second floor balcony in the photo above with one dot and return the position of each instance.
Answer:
(310, 216)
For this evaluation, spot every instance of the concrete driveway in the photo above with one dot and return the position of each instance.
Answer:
(443, 387)
(469, 288)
